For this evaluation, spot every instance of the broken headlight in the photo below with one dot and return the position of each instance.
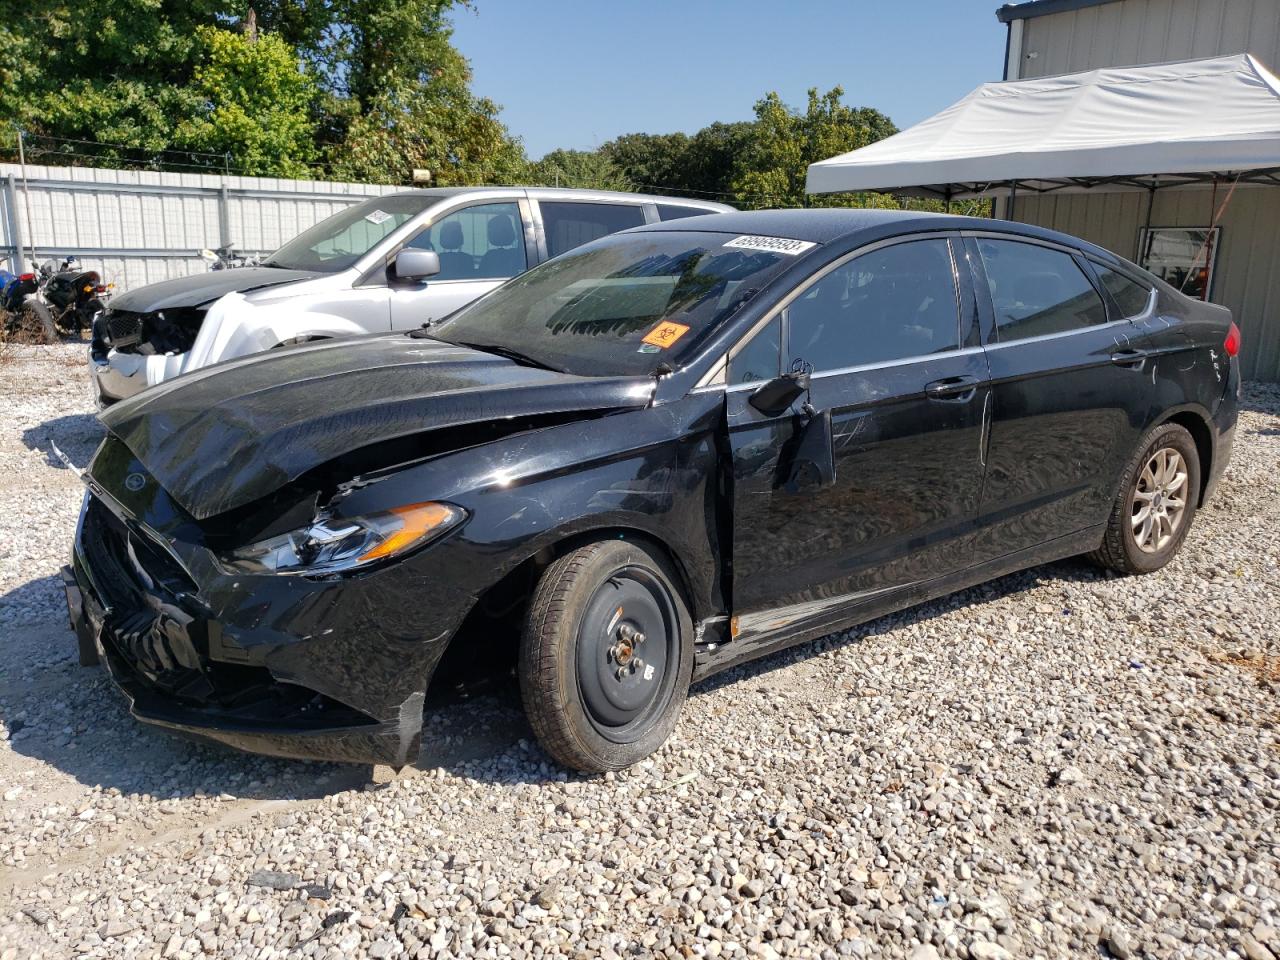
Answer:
(335, 545)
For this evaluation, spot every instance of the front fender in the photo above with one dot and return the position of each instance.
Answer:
(235, 326)
(652, 470)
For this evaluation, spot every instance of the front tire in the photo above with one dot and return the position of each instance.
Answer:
(1156, 504)
(606, 656)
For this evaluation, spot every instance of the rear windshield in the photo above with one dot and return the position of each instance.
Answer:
(621, 305)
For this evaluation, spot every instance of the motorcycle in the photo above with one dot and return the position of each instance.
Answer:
(74, 296)
(226, 258)
(22, 316)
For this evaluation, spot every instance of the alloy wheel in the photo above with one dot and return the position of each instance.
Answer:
(1159, 500)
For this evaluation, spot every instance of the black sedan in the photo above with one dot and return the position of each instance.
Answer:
(664, 453)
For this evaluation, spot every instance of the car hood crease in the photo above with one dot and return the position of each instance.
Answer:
(224, 437)
(199, 288)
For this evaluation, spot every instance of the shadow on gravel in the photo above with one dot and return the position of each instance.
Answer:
(73, 719)
(77, 435)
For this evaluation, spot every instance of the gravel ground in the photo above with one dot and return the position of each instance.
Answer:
(1059, 763)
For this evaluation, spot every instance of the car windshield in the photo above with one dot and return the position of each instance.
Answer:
(336, 243)
(619, 306)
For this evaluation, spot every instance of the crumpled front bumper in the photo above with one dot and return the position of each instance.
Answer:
(118, 376)
(183, 670)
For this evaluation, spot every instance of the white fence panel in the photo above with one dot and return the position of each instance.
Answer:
(140, 226)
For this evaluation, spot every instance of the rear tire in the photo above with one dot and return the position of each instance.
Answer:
(33, 323)
(1156, 504)
(606, 656)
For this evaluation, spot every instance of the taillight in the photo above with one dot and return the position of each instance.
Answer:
(1232, 343)
(26, 276)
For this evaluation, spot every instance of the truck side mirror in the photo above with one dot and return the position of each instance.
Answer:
(411, 265)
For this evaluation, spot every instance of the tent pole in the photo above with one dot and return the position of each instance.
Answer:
(1140, 248)
(1013, 197)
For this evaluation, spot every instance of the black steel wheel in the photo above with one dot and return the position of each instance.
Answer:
(606, 656)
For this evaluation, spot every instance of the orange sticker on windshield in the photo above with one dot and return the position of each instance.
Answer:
(665, 334)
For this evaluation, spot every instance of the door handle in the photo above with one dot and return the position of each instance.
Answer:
(952, 389)
(1129, 358)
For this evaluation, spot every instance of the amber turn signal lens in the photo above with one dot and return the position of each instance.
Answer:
(417, 521)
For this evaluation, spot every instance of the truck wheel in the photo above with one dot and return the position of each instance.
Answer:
(1156, 503)
(606, 656)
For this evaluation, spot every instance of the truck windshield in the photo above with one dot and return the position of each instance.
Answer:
(619, 306)
(337, 242)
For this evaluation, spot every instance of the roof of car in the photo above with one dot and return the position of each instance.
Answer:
(830, 224)
(567, 193)
(821, 225)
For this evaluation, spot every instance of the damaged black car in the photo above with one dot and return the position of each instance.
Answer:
(662, 454)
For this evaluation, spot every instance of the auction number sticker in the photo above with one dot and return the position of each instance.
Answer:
(772, 244)
(377, 216)
(665, 334)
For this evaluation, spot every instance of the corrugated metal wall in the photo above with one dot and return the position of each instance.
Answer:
(1131, 32)
(1247, 270)
(139, 226)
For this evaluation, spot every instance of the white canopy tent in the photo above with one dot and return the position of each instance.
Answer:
(1124, 128)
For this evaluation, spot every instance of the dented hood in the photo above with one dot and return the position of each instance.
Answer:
(202, 287)
(225, 436)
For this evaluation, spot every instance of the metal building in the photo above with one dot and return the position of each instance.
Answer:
(1166, 229)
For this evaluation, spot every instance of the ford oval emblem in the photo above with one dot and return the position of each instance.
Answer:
(135, 482)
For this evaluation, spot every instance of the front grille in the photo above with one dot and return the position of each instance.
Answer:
(124, 328)
(145, 626)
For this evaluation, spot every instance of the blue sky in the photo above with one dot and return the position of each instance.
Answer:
(575, 73)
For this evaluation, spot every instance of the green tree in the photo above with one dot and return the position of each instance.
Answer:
(375, 84)
(578, 168)
(255, 104)
(649, 160)
(785, 142)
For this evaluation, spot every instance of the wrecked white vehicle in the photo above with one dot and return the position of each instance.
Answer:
(363, 270)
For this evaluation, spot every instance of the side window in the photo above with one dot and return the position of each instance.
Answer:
(484, 242)
(1036, 290)
(569, 225)
(889, 304)
(759, 357)
(669, 211)
(1130, 296)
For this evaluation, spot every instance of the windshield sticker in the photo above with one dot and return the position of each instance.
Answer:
(377, 216)
(665, 334)
(772, 244)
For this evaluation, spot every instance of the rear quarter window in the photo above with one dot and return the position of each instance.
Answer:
(1130, 296)
(671, 211)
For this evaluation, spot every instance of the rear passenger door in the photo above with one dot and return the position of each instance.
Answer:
(891, 338)
(566, 224)
(1069, 394)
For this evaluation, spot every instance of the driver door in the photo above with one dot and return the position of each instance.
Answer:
(890, 337)
(480, 247)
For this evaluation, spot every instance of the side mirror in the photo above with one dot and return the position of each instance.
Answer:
(411, 265)
(774, 396)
